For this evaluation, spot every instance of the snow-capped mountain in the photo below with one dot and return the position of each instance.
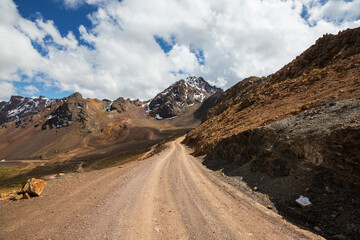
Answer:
(18, 107)
(186, 92)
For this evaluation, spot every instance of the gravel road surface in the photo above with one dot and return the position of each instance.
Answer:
(168, 196)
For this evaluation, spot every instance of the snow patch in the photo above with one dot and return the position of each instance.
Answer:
(109, 107)
(158, 117)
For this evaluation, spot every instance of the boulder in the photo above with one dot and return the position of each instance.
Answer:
(33, 187)
(26, 196)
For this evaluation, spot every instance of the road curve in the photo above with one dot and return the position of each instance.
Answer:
(168, 196)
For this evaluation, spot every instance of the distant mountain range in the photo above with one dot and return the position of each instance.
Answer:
(44, 128)
(167, 104)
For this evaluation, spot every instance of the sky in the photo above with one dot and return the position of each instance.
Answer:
(136, 48)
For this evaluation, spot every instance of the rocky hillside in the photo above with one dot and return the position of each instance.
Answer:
(317, 76)
(328, 135)
(75, 109)
(18, 107)
(70, 109)
(296, 132)
(122, 105)
(186, 92)
(234, 95)
(314, 154)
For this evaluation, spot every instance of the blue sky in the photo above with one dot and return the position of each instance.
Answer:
(110, 48)
(66, 19)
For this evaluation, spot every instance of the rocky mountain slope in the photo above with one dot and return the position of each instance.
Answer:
(18, 107)
(328, 71)
(186, 92)
(296, 132)
(123, 105)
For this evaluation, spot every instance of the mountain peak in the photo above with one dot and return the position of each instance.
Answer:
(76, 95)
(18, 107)
(181, 94)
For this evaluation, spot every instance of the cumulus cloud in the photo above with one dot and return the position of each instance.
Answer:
(118, 55)
(7, 89)
(30, 90)
(335, 11)
(220, 82)
(77, 3)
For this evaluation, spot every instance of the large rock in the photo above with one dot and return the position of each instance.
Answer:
(33, 187)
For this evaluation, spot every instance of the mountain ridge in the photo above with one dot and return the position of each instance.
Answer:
(183, 93)
(62, 125)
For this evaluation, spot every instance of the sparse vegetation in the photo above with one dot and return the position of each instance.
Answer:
(116, 159)
(12, 178)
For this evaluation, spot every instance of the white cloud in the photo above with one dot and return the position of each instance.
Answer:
(220, 82)
(50, 29)
(336, 11)
(30, 90)
(238, 39)
(77, 3)
(7, 89)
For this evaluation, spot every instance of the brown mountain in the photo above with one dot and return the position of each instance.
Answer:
(296, 132)
(328, 71)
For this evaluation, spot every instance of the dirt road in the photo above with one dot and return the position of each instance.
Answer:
(168, 196)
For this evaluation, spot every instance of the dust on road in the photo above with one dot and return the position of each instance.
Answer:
(168, 196)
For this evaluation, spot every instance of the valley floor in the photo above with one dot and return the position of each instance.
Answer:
(168, 196)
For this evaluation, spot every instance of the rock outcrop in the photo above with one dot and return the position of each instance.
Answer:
(122, 105)
(71, 109)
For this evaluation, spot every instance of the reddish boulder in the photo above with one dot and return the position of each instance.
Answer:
(33, 187)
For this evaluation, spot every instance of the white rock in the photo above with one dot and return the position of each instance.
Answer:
(303, 201)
